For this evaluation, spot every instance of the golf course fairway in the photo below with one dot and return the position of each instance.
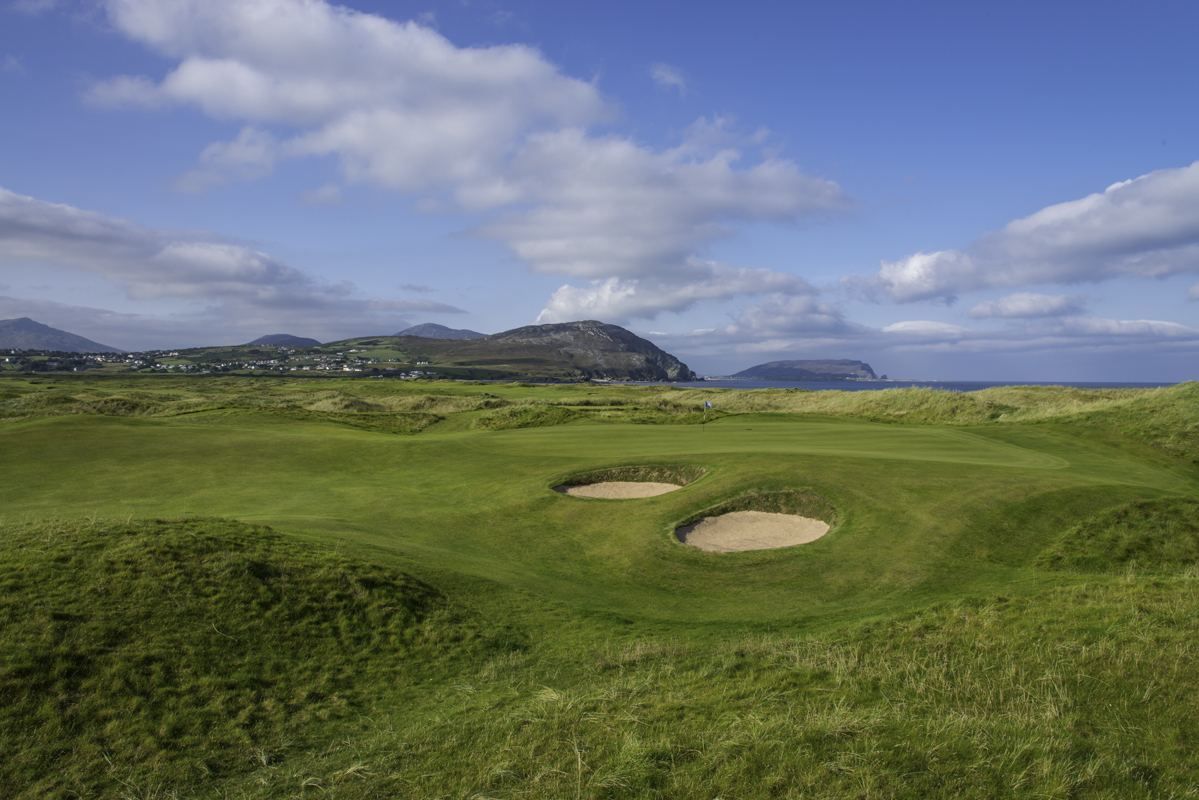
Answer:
(1004, 605)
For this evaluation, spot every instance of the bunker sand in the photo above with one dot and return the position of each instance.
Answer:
(751, 530)
(618, 490)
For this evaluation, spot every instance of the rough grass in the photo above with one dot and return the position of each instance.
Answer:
(1159, 535)
(189, 650)
(1166, 418)
(524, 416)
(1080, 692)
(210, 659)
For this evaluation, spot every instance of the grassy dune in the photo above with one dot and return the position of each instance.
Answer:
(1006, 605)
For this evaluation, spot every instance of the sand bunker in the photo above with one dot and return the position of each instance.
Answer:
(618, 490)
(751, 530)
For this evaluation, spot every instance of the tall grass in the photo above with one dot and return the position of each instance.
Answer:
(1080, 691)
(184, 651)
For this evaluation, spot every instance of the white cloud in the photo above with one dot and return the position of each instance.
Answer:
(783, 325)
(928, 329)
(497, 130)
(620, 299)
(1028, 305)
(1193, 292)
(1059, 336)
(607, 207)
(251, 155)
(398, 103)
(242, 286)
(1147, 227)
(668, 77)
(13, 64)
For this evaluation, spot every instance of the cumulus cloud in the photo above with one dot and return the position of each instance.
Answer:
(623, 298)
(1147, 227)
(397, 102)
(783, 326)
(251, 155)
(1028, 305)
(668, 77)
(239, 284)
(497, 130)
(607, 207)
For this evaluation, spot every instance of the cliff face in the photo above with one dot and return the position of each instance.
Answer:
(599, 350)
(816, 370)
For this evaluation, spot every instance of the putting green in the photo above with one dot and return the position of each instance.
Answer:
(768, 434)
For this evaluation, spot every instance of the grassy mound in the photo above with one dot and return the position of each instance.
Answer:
(1149, 535)
(525, 416)
(186, 651)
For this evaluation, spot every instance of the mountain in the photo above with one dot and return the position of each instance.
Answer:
(284, 340)
(601, 350)
(25, 334)
(563, 352)
(818, 370)
(431, 330)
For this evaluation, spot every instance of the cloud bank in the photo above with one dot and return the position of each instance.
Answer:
(240, 288)
(498, 130)
(1028, 305)
(1147, 227)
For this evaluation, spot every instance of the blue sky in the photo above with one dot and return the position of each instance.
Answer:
(945, 190)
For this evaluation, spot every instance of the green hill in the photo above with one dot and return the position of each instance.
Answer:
(26, 334)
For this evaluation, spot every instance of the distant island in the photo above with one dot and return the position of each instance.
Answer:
(815, 370)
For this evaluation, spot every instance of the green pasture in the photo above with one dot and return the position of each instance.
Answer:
(1006, 600)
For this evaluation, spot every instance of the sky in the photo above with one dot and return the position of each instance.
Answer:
(946, 190)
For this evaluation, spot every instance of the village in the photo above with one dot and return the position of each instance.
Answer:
(204, 361)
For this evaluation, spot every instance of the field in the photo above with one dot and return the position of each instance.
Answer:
(261, 587)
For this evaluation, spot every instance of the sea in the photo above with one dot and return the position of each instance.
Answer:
(867, 385)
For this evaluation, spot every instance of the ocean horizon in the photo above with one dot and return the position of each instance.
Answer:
(876, 385)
